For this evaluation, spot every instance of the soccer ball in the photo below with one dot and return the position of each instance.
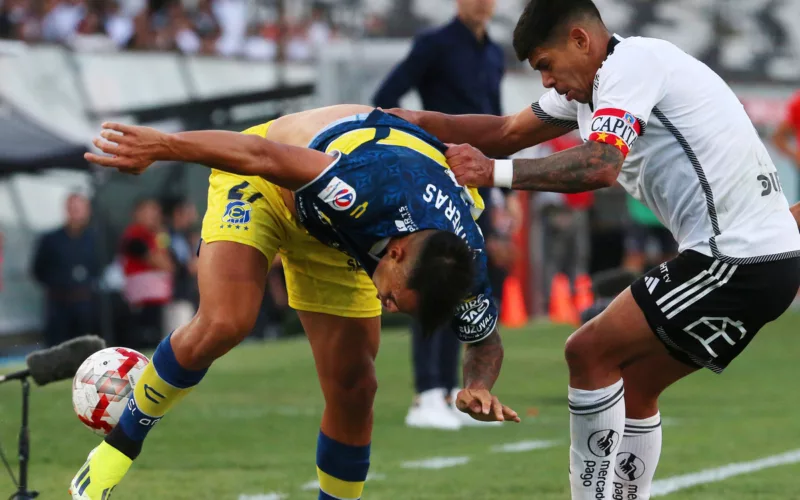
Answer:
(103, 385)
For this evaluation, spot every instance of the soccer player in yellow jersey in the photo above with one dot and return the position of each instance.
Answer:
(326, 189)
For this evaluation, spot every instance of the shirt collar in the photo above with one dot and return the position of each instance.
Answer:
(612, 44)
(460, 26)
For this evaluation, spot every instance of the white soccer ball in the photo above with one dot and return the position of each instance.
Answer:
(103, 385)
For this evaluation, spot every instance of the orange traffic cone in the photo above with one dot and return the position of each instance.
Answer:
(562, 309)
(584, 298)
(513, 313)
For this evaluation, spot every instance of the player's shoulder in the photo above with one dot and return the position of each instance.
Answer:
(641, 54)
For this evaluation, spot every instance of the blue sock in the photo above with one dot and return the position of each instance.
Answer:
(341, 469)
(162, 384)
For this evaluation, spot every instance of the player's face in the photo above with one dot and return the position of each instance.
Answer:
(390, 279)
(566, 65)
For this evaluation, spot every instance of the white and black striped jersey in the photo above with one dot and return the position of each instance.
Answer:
(692, 154)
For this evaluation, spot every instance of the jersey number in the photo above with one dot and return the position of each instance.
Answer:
(237, 193)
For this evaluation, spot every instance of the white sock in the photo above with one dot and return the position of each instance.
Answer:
(597, 420)
(637, 458)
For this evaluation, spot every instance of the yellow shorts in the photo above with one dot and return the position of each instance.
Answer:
(251, 211)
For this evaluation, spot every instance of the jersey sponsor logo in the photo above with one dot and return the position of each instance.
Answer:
(473, 309)
(237, 212)
(406, 223)
(616, 127)
(603, 443)
(338, 194)
(770, 183)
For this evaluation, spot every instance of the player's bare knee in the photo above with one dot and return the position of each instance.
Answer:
(581, 348)
(353, 390)
(208, 337)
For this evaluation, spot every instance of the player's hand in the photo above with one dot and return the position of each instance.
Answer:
(133, 148)
(470, 166)
(481, 405)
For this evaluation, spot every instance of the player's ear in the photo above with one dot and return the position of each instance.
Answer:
(397, 253)
(580, 38)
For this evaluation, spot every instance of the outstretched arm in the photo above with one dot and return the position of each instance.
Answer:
(482, 363)
(135, 148)
(782, 139)
(495, 136)
(592, 165)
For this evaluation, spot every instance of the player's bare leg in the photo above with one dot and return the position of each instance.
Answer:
(596, 354)
(232, 278)
(344, 351)
(638, 454)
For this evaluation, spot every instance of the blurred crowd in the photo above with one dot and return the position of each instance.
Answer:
(151, 283)
(230, 28)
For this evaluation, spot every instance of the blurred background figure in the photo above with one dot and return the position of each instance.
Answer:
(181, 216)
(65, 265)
(648, 242)
(789, 131)
(456, 69)
(148, 269)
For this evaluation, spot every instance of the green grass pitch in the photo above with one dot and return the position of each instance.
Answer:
(250, 428)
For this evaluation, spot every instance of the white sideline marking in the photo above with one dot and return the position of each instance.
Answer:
(435, 463)
(314, 485)
(523, 446)
(264, 496)
(676, 483)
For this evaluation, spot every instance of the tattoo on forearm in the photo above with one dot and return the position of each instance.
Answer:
(592, 165)
(482, 362)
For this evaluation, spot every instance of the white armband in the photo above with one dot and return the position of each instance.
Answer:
(503, 173)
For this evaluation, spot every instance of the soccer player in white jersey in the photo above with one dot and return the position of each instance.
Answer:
(672, 133)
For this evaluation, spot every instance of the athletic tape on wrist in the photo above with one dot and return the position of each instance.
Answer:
(503, 173)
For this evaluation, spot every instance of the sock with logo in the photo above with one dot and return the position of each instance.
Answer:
(341, 469)
(637, 457)
(163, 383)
(597, 421)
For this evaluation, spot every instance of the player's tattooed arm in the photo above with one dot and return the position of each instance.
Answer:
(590, 166)
(482, 362)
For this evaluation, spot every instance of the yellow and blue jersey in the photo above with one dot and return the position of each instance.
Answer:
(389, 179)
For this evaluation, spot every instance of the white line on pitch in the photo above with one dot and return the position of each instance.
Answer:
(263, 496)
(314, 485)
(521, 446)
(435, 463)
(676, 483)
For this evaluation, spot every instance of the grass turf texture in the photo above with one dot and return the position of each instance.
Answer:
(251, 428)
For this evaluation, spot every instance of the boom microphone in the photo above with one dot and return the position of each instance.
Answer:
(59, 362)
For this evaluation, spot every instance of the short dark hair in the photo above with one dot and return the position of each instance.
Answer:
(442, 275)
(542, 19)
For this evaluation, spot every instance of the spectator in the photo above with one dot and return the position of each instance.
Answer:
(65, 265)
(457, 69)
(181, 218)
(148, 272)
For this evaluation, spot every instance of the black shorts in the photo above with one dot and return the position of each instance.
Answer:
(706, 311)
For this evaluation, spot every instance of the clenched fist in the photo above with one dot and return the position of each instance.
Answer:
(470, 166)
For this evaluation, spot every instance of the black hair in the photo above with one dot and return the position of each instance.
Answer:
(442, 275)
(170, 206)
(542, 19)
